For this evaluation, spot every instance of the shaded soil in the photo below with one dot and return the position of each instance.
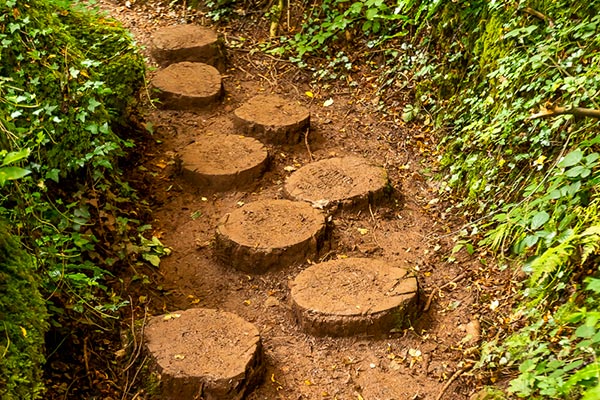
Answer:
(413, 227)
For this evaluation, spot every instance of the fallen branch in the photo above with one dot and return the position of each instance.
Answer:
(307, 146)
(439, 289)
(555, 110)
(454, 377)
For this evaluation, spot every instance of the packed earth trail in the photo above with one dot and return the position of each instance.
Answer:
(310, 253)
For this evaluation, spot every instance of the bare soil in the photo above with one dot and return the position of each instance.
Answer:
(429, 359)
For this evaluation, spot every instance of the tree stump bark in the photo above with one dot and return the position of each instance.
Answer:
(353, 296)
(271, 233)
(219, 163)
(272, 119)
(187, 85)
(204, 354)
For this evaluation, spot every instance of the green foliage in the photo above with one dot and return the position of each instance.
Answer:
(533, 181)
(9, 172)
(23, 315)
(65, 76)
(68, 82)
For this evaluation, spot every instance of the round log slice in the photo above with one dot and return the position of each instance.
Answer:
(188, 85)
(272, 119)
(353, 296)
(346, 182)
(269, 233)
(204, 354)
(223, 162)
(174, 44)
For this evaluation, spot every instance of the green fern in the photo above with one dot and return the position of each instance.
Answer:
(590, 242)
(550, 260)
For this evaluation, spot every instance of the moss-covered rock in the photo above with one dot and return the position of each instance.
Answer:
(23, 315)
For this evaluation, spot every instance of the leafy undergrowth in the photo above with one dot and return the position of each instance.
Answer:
(68, 84)
(511, 87)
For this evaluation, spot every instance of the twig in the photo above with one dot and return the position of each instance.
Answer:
(555, 110)
(86, 357)
(454, 377)
(307, 146)
(275, 17)
(439, 289)
(539, 15)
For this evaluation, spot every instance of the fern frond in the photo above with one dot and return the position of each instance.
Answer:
(549, 261)
(590, 242)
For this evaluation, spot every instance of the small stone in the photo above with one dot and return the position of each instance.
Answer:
(272, 302)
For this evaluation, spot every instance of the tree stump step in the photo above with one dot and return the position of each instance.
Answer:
(347, 182)
(269, 233)
(174, 44)
(204, 354)
(353, 296)
(272, 119)
(223, 162)
(188, 85)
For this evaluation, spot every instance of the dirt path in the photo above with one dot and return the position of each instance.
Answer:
(412, 363)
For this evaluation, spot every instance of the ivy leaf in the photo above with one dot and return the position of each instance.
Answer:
(12, 173)
(571, 159)
(576, 171)
(16, 156)
(92, 104)
(152, 259)
(53, 174)
(585, 331)
(539, 220)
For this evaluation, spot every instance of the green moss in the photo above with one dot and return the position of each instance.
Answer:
(23, 315)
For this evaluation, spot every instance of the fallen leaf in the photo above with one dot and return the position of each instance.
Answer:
(328, 102)
(494, 304)
(179, 356)
(362, 231)
(310, 94)
(171, 316)
(289, 168)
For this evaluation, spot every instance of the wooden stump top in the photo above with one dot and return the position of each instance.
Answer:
(188, 85)
(205, 352)
(269, 233)
(347, 181)
(224, 162)
(352, 296)
(174, 44)
(272, 119)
